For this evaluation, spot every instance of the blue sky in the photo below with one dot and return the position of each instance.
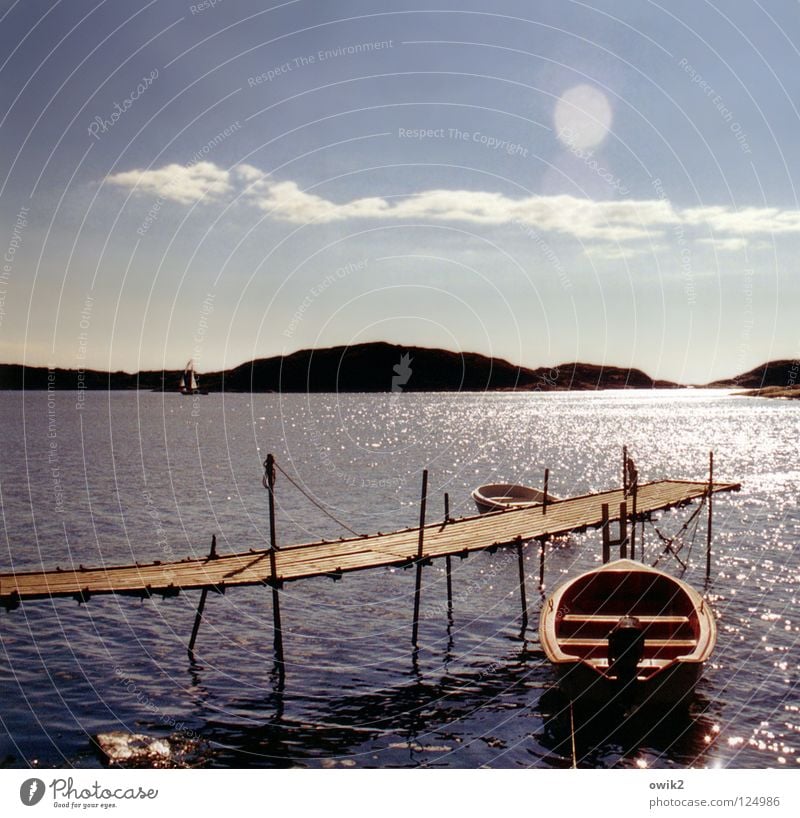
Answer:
(544, 182)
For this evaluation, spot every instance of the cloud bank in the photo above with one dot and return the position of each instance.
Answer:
(583, 219)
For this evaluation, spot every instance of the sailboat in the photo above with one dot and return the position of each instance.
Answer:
(188, 383)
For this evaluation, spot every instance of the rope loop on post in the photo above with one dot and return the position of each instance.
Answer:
(271, 467)
(269, 472)
(632, 481)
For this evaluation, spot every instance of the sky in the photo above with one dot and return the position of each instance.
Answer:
(543, 182)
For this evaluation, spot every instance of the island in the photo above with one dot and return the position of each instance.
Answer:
(384, 367)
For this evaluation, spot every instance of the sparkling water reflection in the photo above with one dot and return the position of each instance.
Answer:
(150, 476)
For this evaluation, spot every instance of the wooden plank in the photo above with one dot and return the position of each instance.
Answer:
(580, 642)
(612, 620)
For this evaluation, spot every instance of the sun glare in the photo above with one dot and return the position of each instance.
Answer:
(582, 117)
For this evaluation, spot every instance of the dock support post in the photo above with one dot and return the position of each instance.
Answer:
(641, 541)
(269, 473)
(634, 494)
(202, 604)
(710, 512)
(198, 618)
(622, 539)
(542, 546)
(546, 490)
(624, 471)
(448, 562)
(522, 593)
(449, 569)
(418, 583)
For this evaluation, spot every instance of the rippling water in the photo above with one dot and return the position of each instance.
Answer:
(149, 476)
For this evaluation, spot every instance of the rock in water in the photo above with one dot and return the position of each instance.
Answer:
(119, 748)
(134, 749)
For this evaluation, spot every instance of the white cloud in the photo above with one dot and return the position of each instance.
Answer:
(746, 220)
(619, 252)
(729, 245)
(582, 218)
(585, 219)
(177, 183)
(248, 173)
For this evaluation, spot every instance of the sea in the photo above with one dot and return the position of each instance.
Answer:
(100, 479)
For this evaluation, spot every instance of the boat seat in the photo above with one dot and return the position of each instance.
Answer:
(578, 642)
(644, 663)
(646, 669)
(612, 620)
(598, 626)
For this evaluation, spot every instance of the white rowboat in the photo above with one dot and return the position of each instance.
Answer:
(503, 496)
(671, 635)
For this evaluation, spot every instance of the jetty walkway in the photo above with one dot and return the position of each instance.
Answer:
(450, 537)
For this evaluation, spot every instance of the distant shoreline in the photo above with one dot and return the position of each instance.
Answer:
(381, 367)
(177, 394)
(778, 392)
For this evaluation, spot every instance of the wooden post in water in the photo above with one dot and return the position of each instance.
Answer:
(606, 535)
(633, 520)
(641, 541)
(449, 570)
(546, 490)
(447, 561)
(522, 594)
(623, 531)
(202, 604)
(624, 471)
(269, 473)
(710, 512)
(622, 539)
(542, 546)
(418, 583)
(198, 618)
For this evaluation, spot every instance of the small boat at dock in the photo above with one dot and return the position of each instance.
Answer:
(504, 496)
(629, 629)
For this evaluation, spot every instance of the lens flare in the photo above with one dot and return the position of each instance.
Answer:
(582, 117)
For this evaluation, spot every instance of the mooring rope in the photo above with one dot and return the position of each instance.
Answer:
(311, 499)
(572, 737)
(694, 533)
(668, 541)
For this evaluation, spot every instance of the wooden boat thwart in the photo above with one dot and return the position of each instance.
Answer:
(627, 627)
(503, 496)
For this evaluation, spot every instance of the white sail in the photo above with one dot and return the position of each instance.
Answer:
(188, 382)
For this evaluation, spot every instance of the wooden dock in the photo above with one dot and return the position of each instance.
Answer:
(411, 546)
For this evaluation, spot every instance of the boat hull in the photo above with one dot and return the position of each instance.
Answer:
(673, 629)
(674, 686)
(506, 496)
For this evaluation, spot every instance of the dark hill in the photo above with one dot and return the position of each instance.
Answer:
(773, 373)
(577, 376)
(16, 376)
(371, 367)
(378, 367)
